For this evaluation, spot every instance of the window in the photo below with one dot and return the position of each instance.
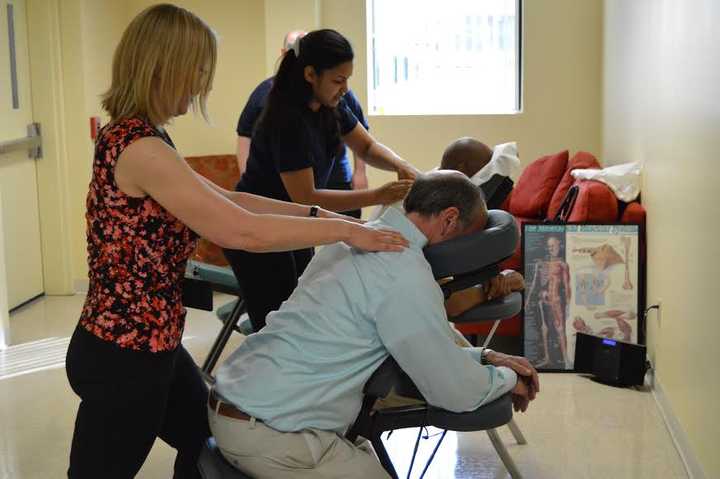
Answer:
(449, 57)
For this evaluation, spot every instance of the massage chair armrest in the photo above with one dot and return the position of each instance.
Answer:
(390, 378)
(488, 416)
(498, 309)
(468, 280)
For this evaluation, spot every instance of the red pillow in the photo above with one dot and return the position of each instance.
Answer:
(596, 203)
(581, 160)
(532, 193)
(634, 213)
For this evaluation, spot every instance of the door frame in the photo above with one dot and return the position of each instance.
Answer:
(48, 98)
(52, 83)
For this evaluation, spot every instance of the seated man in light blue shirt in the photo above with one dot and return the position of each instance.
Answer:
(286, 396)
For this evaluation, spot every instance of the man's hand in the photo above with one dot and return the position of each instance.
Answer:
(525, 371)
(504, 284)
(521, 395)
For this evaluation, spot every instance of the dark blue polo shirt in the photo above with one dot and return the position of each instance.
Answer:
(342, 170)
(303, 141)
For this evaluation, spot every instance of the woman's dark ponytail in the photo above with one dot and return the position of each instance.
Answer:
(321, 49)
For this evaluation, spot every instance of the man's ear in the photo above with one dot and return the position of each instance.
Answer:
(310, 74)
(449, 221)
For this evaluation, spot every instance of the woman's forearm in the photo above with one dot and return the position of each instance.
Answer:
(272, 233)
(382, 157)
(263, 206)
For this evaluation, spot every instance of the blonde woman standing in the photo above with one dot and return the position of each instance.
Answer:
(145, 209)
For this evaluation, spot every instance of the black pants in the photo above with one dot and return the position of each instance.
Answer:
(267, 279)
(346, 187)
(128, 399)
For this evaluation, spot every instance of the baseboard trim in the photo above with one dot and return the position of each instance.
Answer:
(677, 433)
(81, 286)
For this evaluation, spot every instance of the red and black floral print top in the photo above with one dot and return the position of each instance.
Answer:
(137, 252)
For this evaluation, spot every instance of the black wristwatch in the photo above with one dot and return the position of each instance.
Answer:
(314, 211)
(484, 355)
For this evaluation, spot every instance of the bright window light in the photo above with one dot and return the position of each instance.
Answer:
(450, 57)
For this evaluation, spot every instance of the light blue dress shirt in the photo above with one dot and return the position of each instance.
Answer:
(351, 309)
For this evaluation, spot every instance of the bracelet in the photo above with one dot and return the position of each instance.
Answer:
(314, 211)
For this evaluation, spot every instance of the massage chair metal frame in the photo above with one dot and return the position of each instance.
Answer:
(469, 261)
(497, 242)
(201, 279)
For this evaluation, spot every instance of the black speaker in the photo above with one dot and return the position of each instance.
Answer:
(610, 360)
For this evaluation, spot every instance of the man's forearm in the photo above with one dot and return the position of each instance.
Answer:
(463, 300)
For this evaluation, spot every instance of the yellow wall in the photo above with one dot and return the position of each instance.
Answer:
(562, 87)
(662, 71)
(73, 32)
(282, 16)
(241, 66)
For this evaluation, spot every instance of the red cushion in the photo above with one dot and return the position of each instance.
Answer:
(634, 213)
(508, 328)
(580, 160)
(596, 203)
(221, 170)
(531, 196)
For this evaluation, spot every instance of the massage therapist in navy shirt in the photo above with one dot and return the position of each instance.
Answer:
(301, 131)
(343, 176)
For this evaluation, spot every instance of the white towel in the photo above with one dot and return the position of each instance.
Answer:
(624, 180)
(504, 162)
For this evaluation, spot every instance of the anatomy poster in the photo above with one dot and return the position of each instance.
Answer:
(579, 278)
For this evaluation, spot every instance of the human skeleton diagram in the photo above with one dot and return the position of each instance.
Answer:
(551, 278)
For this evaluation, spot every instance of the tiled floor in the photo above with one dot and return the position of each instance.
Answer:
(575, 429)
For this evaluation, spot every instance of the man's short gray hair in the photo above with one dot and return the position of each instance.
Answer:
(431, 194)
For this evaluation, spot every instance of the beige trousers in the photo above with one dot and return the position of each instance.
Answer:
(262, 452)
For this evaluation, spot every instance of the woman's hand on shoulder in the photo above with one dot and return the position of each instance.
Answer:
(370, 239)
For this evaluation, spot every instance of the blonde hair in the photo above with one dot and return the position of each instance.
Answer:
(166, 55)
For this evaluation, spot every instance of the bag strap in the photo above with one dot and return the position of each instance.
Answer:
(567, 205)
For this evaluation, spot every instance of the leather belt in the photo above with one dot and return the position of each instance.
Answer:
(227, 409)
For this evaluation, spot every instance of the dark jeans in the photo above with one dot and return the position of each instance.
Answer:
(128, 399)
(266, 279)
